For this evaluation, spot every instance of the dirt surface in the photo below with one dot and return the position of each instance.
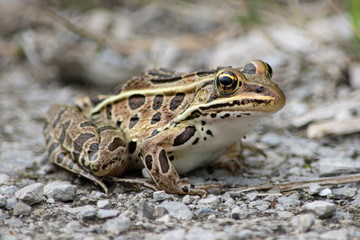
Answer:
(55, 53)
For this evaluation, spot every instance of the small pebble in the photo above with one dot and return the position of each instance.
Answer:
(159, 211)
(8, 190)
(325, 192)
(252, 196)
(87, 212)
(97, 195)
(10, 203)
(60, 191)
(117, 225)
(145, 209)
(289, 201)
(186, 199)
(235, 213)
(107, 213)
(260, 205)
(205, 211)
(210, 199)
(160, 196)
(314, 188)
(304, 222)
(350, 192)
(103, 204)
(21, 209)
(31, 194)
(178, 210)
(2, 201)
(321, 208)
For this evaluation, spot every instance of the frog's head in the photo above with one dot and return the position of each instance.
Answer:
(235, 92)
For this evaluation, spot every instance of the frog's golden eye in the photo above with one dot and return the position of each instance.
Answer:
(258, 67)
(227, 82)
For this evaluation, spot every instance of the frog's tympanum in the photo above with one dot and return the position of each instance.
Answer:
(168, 122)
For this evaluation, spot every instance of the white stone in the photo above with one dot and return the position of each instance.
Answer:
(325, 192)
(107, 213)
(21, 209)
(210, 199)
(321, 208)
(314, 188)
(60, 191)
(103, 204)
(178, 210)
(160, 196)
(31, 194)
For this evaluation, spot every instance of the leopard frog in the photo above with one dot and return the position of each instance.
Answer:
(166, 122)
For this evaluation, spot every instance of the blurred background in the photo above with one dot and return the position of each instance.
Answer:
(56, 51)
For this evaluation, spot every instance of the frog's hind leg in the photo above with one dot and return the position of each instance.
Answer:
(63, 159)
(93, 147)
(136, 181)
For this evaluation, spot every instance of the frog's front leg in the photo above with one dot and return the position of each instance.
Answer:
(90, 147)
(163, 173)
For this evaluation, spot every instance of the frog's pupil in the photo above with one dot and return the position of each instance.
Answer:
(226, 80)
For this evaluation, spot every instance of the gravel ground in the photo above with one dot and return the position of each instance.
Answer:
(45, 61)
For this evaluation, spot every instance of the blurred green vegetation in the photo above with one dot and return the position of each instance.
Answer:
(353, 7)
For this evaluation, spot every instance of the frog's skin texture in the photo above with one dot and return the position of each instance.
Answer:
(168, 122)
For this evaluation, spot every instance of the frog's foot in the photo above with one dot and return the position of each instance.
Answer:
(135, 181)
(234, 160)
(203, 189)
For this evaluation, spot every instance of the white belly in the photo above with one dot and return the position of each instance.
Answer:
(209, 148)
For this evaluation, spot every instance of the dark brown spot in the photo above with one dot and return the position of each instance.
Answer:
(184, 136)
(228, 104)
(79, 143)
(205, 72)
(132, 147)
(104, 128)
(136, 101)
(94, 147)
(205, 138)
(208, 132)
(165, 79)
(86, 124)
(71, 165)
(53, 146)
(156, 118)
(117, 142)
(108, 111)
(225, 116)
(118, 123)
(203, 122)
(171, 158)
(185, 189)
(176, 101)
(213, 115)
(195, 141)
(95, 100)
(57, 120)
(65, 126)
(194, 114)
(133, 121)
(157, 102)
(164, 163)
(60, 158)
(154, 133)
(148, 161)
